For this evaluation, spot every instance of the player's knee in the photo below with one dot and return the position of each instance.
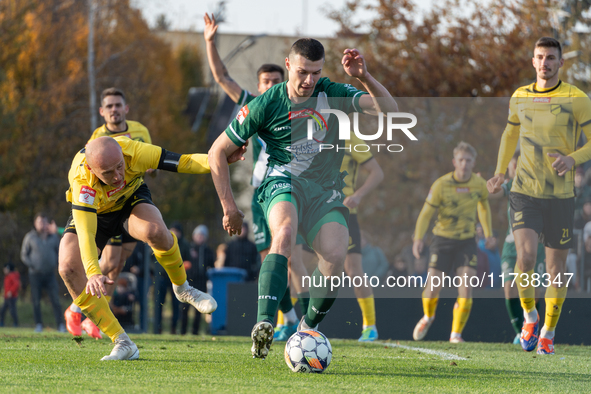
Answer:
(157, 235)
(528, 259)
(283, 236)
(66, 267)
(335, 256)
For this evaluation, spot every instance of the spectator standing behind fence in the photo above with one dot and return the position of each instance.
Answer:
(163, 284)
(242, 253)
(39, 253)
(201, 259)
(12, 284)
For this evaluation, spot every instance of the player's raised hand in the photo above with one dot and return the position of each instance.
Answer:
(210, 27)
(494, 184)
(354, 63)
(238, 154)
(232, 222)
(96, 285)
(562, 164)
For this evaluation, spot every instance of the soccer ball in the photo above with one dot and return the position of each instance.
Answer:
(308, 351)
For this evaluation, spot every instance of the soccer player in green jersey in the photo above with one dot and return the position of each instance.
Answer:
(268, 75)
(546, 118)
(303, 188)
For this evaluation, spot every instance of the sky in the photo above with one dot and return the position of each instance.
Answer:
(253, 17)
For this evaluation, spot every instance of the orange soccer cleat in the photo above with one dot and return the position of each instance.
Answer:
(91, 329)
(73, 320)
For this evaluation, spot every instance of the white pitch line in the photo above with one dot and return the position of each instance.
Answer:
(444, 355)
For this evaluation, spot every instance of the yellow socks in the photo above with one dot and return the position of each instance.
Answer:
(172, 263)
(527, 293)
(294, 300)
(368, 311)
(554, 300)
(462, 309)
(429, 306)
(98, 311)
(280, 320)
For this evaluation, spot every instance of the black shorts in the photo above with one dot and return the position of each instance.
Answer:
(354, 234)
(121, 239)
(551, 218)
(111, 224)
(447, 254)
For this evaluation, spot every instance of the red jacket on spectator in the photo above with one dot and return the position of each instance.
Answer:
(12, 284)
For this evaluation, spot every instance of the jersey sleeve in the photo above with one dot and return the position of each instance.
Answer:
(359, 157)
(248, 121)
(582, 113)
(84, 206)
(435, 195)
(509, 139)
(345, 90)
(144, 156)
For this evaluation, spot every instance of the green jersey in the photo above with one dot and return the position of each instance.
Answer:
(283, 126)
(259, 154)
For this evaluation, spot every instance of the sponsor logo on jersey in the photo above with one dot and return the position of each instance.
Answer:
(242, 114)
(462, 190)
(309, 113)
(111, 192)
(542, 100)
(87, 195)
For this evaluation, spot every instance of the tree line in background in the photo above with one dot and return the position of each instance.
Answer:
(462, 49)
(44, 105)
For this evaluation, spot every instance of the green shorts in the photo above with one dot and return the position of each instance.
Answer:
(260, 228)
(315, 205)
(509, 259)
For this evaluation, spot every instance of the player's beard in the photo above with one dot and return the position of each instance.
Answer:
(548, 75)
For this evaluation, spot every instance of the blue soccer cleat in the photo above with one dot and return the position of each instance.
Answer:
(529, 335)
(285, 332)
(369, 334)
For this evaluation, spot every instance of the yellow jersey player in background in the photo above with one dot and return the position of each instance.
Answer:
(458, 196)
(546, 118)
(114, 109)
(353, 161)
(108, 194)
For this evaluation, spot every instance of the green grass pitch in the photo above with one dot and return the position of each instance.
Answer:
(53, 362)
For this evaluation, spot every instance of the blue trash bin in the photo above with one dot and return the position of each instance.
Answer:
(219, 282)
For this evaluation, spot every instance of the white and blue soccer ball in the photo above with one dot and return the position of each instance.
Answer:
(308, 351)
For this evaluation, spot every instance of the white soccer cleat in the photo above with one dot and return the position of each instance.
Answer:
(262, 338)
(203, 302)
(124, 349)
(456, 340)
(422, 328)
(303, 326)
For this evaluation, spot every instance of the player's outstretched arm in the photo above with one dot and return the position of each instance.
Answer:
(219, 71)
(218, 155)
(355, 66)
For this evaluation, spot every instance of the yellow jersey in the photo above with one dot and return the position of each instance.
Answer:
(351, 162)
(545, 121)
(135, 131)
(90, 197)
(457, 203)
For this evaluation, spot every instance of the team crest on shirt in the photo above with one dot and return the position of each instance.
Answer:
(542, 100)
(87, 195)
(242, 114)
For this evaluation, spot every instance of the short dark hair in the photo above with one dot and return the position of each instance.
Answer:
(549, 42)
(270, 68)
(112, 92)
(309, 48)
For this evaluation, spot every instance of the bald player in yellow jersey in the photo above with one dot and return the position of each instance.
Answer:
(353, 161)
(114, 109)
(458, 196)
(108, 194)
(547, 119)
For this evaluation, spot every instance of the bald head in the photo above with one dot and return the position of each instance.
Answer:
(105, 160)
